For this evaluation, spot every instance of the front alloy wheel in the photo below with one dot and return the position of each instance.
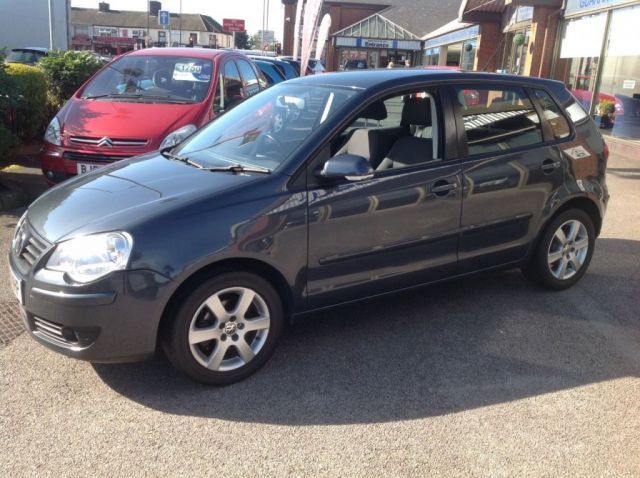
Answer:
(226, 329)
(229, 329)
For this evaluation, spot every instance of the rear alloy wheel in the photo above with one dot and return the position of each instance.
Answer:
(226, 329)
(568, 249)
(564, 252)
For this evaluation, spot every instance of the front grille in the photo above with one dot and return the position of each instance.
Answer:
(108, 142)
(28, 246)
(104, 158)
(54, 332)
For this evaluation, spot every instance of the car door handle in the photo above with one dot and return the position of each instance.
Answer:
(549, 166)
(443, 188)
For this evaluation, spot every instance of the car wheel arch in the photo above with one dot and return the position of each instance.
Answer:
(255, 266)
(582, 203)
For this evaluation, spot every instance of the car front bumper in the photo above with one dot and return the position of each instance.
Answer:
(114, 319)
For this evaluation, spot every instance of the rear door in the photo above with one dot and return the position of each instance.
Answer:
(511, 172)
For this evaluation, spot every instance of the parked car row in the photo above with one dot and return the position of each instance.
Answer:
(318, 191)
(152, 99)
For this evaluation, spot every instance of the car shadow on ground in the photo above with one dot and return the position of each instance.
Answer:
(434, 350)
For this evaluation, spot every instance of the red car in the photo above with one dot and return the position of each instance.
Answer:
(143, 101)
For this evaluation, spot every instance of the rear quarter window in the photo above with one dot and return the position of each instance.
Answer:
(557, 122)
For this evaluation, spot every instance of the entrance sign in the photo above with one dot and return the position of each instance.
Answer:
(233, 25)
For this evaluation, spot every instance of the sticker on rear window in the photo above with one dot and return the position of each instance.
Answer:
(577, 152)
(192, 71)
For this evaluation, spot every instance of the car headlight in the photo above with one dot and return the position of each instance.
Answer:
(52, 134)
(87, 258)
(178, 136)
(18, 234)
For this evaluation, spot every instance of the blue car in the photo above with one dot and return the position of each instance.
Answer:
(319, 191)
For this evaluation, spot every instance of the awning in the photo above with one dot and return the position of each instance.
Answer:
(481, 11)
(452, 26)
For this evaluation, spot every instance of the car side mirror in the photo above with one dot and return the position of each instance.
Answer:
(347, 166)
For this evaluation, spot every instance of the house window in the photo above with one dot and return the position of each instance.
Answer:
(81, 29)
(213, 41)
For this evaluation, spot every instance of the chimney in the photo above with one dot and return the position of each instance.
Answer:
(154, 8)
(103, 6)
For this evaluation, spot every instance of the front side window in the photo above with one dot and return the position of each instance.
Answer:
(150, 78)
(266, 129)
(249, 77)
(233, 90)
(497, 120)
(557, 122)
(396, 132)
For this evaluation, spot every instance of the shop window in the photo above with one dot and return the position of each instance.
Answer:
(618, 106)
(497, 120)
(558, 123)
(580, 47)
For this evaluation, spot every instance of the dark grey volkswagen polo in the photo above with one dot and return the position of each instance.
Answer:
(316, 192)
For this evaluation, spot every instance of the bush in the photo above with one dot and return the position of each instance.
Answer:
(66, 71)
(7, 142)
(29, 97)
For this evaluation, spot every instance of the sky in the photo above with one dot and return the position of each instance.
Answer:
(249, 10)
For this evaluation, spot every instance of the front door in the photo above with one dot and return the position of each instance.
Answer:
(396, 229)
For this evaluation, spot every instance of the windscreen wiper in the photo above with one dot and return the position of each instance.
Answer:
(137, 96)
(238, 169)
(182, 159)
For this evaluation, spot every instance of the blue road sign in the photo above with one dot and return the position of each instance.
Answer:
(164, 18)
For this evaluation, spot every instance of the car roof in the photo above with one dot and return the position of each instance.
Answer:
(372, 78)
(204, 53)
(31, 48)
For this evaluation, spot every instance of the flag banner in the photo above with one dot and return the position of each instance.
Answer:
(296, 31)
(309, 23)
(323, 33)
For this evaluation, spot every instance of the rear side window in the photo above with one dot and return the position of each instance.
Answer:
(497, 119)
(251, 84)
(559, 126)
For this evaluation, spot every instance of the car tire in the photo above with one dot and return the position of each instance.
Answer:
(226, 329)
(564, 251)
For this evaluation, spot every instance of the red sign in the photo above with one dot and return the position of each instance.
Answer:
(232, 25)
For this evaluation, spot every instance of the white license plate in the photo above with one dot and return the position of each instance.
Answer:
(16, 287)
(87, 167)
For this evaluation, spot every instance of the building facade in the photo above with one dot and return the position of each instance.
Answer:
(116, 31)
(598, 58)
(33, 23)
(592, 46)
(374, 33)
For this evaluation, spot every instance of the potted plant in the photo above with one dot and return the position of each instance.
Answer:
(519, 39)
(605, 111)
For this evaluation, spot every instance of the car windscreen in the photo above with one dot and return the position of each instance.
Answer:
(152, 78)
(265, 130)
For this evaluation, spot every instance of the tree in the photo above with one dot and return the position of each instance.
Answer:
(242, 40)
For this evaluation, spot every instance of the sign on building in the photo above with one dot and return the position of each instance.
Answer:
(232, 25)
